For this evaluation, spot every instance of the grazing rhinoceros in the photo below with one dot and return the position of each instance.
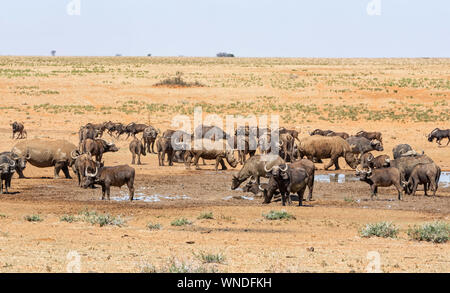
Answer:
(47, 153)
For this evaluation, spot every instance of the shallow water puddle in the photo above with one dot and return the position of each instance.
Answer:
(339, 178)
(444, 180)
(139, 195)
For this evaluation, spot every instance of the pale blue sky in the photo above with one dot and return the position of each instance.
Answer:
(247, 28)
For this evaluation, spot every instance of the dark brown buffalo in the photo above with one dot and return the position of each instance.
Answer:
(97, 147)
(368, 160)
(111, 176)
(132, 129)
(272, 189)
(7, 169)
(137, 149)
(292, 132)
(290, 179)
(426, 174)
(403, 150)
(149, 137)
(217, 152)
(83, 163)
(19, 129)
(384, 177)
(362, 145)
(439, 134)
(20, 161)
(99, 128)
(84, 133)
(406, 164)
(163, 147)
(370, 135)
(254, 168)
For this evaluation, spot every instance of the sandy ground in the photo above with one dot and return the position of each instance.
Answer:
(54, 96)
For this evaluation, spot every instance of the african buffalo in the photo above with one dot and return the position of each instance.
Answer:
(255, 167)
(19, 129)
(82, 163)
(362, 145)
(403, 150)
(21, 162)
(97, 147)
(137, 149)
(111, 176)
(290, 179)
(7, 169)
(406, 164)
(427, 174)
(368, 160)
(381, 177)
(149, 137)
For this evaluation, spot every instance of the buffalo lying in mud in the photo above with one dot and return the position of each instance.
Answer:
(426, 174)
(439, 134)
(404, 150)
(254, 168)
(381, 178)
(324, 147)
(47, 153)
(111, 176)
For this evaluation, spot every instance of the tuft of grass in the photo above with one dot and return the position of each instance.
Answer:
(381, 229)
(278, 215)
(33, 218)
(437, 232)
(156, 226)
(210, 257)
(178, 81)
(207, 216)
(181, 222)
(68, 218)
(176, 266)
(101, 219)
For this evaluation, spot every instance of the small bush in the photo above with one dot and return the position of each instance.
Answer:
(278, 215)
(381, 229)
(33, 218)
(102, 219)
(207, 216)
(68, 218)
(156, 226)
(181, 222)
(437, 232)
(179, 267)
(210, 257)
(178, 81)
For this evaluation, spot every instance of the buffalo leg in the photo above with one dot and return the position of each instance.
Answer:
(414, 189)
(108, 191)
(373, 189)
(139, 160)
(133, 159)
(300, 194)
(196, 159)
(103, 192)
(222, 163)
(20, 173)
(58, 168)
(399, 190)
(425, 188)
(131, 189)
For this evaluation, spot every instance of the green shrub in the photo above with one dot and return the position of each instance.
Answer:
(156, 226)
(33, 218)
(207, 216)
(278, 215)
(210, 257)
(437, 232)
(102, 219)
(381, 229)
(181, 222)
(68, 218)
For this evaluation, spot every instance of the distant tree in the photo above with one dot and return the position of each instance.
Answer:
(149, 55)
(53, 52)
(118, 55)
(224, 54)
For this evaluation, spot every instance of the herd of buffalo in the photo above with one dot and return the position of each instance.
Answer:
(279, 155)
